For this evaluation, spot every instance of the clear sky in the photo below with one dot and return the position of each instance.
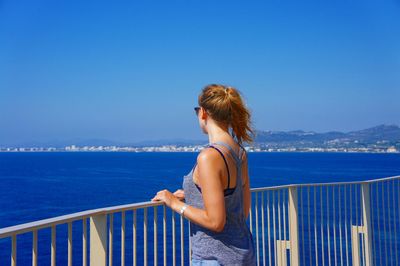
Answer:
(132, 71)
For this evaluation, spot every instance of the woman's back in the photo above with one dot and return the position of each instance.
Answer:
(234, 245)
(218, 196)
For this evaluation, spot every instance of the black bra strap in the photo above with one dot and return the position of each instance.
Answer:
(227, 167)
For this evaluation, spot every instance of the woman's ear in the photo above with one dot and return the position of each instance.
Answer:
(203, 113)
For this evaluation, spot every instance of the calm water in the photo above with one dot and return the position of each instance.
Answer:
(41, 185)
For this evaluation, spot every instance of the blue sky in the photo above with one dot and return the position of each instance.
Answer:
(132, 71)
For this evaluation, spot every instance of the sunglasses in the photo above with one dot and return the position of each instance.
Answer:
(197, 109)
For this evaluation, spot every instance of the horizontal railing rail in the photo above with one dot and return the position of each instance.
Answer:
(343, 223)
(27, 227)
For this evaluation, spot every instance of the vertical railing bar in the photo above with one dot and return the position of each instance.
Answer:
(182, 242)
(373, 225)
(378, 217)
(110, 239)
(301, 206)
(309, 223)
(351, 214)
(375, 220)
(155, 229)
(284, 215)
(257, 241)
(190, 245)
(315, 226)
(53, 245)
(279, 221)
(34, 247)
(357, 221)
(379, 226)
(398, 216)
(262, 226)
(84, 242)
(123, 238)
(394, 221)
(328, 225)
(398, 205)
(269, 230)
(384, 222)
(70, 244)
(173, 239)
(389, 222)
(14, 250)
(345, 224)
(251, 215)
(340, 209)
(362, 222)
(165, 234)
(334, 224)
(145, 236)
(322, 227)
(285, 207)
(134, 237)
(274, 223)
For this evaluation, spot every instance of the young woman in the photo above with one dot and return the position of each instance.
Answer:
(216, 192)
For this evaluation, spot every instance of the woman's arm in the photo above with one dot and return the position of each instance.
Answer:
(246, 186)
(180, 194)
(213, 215)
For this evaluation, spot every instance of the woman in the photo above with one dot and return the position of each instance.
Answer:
(216, 192)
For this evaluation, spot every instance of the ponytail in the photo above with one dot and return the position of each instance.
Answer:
(225, 105)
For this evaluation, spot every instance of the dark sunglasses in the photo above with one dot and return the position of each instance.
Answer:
(197, 109)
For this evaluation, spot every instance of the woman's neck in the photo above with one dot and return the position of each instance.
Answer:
(216, 133)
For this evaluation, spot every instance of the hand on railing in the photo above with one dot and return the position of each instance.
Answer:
(180, 194)
(171, 200)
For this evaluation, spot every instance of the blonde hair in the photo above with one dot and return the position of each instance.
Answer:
(225, 105)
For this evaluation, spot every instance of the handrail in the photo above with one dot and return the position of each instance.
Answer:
(28, 227)
(40, 224)
(326, 184)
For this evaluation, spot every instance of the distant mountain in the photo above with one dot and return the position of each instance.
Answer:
(381, 132)
(297, 135)
(63, 143)
(177, 142)
(381, 135)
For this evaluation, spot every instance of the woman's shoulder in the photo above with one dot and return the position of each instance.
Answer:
(207, 155)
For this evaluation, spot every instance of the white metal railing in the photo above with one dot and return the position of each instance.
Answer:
(348, 223)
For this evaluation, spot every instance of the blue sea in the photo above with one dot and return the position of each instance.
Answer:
(36, 186)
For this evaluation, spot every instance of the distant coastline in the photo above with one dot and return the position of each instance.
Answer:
(378, 139)
(196, 148)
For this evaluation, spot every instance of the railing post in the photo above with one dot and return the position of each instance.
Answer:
(294, 226)
(13, 250)
(355, 244)
(367, 223)
(98, 240)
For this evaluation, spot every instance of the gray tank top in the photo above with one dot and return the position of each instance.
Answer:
(234, 245)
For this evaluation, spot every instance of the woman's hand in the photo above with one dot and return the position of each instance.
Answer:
(180, 194)
(165, 196)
